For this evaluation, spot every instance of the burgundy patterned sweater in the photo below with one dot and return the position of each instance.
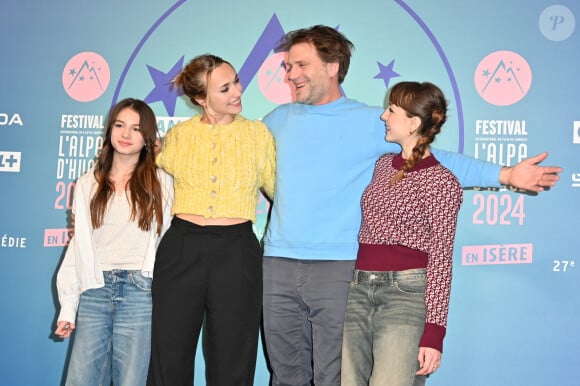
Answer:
(412, 224)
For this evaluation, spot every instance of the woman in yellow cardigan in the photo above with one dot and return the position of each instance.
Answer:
(209, 263)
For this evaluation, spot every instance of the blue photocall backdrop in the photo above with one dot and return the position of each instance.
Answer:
(508, 68)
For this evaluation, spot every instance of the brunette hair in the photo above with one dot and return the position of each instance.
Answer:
(193, 78)
(145, 190)
(427, 102)
(331, 45)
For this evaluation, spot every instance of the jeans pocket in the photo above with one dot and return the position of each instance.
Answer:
(412, 287)
(140, 282)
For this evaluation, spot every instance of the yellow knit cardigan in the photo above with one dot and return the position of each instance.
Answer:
(218, 170)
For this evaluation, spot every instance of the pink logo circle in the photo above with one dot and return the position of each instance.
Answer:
(86, 76)
(272, 79)
(503, 78)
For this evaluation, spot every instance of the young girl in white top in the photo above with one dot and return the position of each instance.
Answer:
(121, 209)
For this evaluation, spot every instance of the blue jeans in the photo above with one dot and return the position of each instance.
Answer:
(304, 306)
(112, 339)
(385, 319)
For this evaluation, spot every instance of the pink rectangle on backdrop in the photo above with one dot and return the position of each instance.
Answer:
(497, 254)
(57, 237)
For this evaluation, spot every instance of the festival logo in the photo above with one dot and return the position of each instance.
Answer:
(503, 78)
(503, 142)
(86, 76)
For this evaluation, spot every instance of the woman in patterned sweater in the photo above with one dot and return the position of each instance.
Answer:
(398, 301)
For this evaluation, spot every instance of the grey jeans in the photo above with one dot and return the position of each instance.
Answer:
(304, 306)
(385, 319)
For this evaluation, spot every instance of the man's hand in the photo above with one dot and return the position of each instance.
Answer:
(528, 175)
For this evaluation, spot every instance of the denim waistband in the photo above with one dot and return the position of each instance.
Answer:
(388, 276)
(110, 274)
(221, 230)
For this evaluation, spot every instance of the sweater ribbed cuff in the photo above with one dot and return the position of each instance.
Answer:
(433, 336)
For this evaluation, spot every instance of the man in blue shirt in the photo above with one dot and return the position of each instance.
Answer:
(326, 148)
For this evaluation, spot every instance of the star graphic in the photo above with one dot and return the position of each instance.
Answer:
(386, 73)
(164, 89)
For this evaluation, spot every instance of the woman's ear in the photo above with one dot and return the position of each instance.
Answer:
(415, 124)
(201, 102)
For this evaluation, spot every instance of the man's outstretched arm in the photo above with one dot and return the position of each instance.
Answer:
(528, 175)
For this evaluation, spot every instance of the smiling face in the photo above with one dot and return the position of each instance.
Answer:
(223, 95)
(126, 136)
(315, 82)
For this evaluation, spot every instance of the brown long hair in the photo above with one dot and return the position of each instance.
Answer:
(427, 102)
(144, 187)
(331, 45)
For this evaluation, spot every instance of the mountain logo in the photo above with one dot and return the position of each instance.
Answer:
(86, 76)
(503, 78)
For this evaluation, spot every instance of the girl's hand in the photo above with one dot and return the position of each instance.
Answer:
(64, 328)
(429, 360)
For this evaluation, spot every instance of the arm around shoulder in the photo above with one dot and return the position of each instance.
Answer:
(269, 169)
(168, 193)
